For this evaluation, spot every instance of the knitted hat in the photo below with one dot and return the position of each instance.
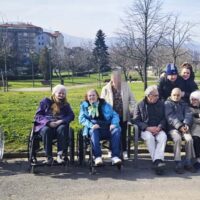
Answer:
(195, 95)
(171, 69)
(58, 88)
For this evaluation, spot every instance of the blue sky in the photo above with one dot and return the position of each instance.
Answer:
(83, 18)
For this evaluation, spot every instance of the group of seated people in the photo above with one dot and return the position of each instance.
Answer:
(171, 108)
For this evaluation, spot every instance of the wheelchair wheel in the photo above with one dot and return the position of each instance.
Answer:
(71, 145)
(80, 148)
(1, 144)
(33, 145)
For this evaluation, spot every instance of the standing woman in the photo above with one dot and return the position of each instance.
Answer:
(189, 84)
(52, 121)
(100, 121)
(118, 94)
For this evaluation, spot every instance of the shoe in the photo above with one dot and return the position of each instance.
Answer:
(159, 166)
(179, 168)
(98, 161)
(196, 165)
(116, 160)
(190, 168)
(60, 159)
(125, 155)
(49, 161)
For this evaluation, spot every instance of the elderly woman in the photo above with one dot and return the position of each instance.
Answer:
(150, 118)
(100, 121)
(195, 130)
(52, 121)
(118, 94)
(179, 118)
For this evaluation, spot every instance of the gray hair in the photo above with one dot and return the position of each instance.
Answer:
(150, 89)
(58, 88)
(195, 95)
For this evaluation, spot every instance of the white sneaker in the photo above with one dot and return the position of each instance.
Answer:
(60, 159)
(98, 161)
(125, 154)
(116, 160)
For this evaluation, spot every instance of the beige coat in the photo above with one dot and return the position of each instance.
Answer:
(128, 99)
(195, 130)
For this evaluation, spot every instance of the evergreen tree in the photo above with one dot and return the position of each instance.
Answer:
(100, 52)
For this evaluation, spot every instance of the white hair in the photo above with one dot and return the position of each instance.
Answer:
(58, 88)
(150, 89)
(195, 95)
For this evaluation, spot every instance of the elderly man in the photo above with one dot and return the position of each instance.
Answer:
(179, 118)
(150, 118)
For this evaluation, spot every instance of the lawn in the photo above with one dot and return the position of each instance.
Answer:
(18, 108)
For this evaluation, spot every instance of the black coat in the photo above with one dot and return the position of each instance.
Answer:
(188, 87)
(141, 115)
(177, 114)
(165, 87)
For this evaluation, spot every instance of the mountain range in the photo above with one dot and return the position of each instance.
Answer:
(74, 41)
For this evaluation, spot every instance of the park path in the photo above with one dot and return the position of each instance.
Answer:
(49, 89)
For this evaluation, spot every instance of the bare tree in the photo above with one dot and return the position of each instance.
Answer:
(143, 29)
(179, 34)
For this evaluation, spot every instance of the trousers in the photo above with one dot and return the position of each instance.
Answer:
(177, 139)
(155, 144)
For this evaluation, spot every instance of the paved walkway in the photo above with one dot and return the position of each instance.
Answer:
(75, 183)
(48, 88)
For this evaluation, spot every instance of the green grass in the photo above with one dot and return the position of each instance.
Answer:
(18, 109)
(67, 81)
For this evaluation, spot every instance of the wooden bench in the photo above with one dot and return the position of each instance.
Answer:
(133, 135)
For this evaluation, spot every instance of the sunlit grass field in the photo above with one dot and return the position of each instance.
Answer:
(18, 109)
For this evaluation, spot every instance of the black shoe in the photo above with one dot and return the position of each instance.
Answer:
(179, 168)
(49, 161)
(190, 168)
(159, 167)
(196, 165)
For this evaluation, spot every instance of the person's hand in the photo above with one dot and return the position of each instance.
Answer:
(153, 129)
(95, 126)
(112, 126)
(184, 129)
(54, 124)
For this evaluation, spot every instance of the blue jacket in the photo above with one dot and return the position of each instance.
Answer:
(43, 114)
(110, 116)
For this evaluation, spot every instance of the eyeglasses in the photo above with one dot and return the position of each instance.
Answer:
(155, 95)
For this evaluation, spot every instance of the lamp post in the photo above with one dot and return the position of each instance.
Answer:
(72, 66)
(32, 67)
(5, 73)
(99, 70)
(49, 61)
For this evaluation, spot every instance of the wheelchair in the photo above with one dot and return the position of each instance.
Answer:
(1, 144)
(84, 149)
(35, 148)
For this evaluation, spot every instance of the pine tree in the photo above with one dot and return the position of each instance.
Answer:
(100, 52)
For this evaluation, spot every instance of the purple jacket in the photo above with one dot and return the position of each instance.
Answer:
(44, 115)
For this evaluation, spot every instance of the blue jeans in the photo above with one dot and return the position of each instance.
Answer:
(61, 133)
(105, 134)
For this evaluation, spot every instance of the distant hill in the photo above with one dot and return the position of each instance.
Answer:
(73, 41)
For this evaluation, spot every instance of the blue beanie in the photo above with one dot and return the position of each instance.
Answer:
(171, 69)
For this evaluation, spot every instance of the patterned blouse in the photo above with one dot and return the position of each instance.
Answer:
(117, 101)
